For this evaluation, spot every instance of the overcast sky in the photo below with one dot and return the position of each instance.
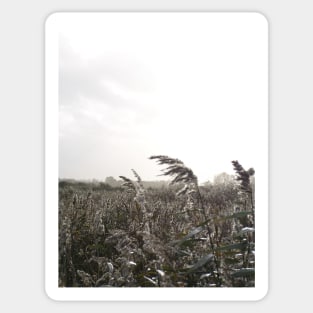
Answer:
(190, 86)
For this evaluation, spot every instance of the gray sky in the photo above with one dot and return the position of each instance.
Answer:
(193, 87)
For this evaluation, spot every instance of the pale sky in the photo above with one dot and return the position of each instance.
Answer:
(190, 86)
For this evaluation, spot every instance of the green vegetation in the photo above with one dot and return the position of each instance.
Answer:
(181, 235)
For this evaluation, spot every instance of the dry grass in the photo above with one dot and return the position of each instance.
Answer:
(184, 235)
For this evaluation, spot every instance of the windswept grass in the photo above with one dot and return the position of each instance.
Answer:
(184, 235)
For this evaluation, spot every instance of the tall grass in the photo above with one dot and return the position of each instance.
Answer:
(184, 235)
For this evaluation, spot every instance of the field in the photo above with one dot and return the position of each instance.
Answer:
(179, 235)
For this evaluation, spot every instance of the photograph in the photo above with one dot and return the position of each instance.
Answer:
(159, 156)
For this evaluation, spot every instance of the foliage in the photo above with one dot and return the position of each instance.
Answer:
(184, 235)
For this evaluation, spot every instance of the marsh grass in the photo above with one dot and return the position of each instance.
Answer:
(184, 235)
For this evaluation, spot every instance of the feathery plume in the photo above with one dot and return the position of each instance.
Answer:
(243, 176)
(176, 168)
(128, 184)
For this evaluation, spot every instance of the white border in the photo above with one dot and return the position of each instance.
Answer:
(51, 204)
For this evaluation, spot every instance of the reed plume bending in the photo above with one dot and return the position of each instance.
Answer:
(183, 174)
(136, 188)
(244, 178)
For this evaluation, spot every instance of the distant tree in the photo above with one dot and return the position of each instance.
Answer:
(207, 184)
(223, 179)
(112, 181)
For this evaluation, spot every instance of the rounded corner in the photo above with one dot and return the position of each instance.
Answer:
(263, 17)
(51, 19)
(263, 294)
(50, 295)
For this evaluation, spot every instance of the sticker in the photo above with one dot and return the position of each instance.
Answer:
(156, 156)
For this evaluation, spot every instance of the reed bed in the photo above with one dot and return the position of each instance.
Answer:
(181, 235)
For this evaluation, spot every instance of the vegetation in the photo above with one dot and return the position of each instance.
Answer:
(182, 235)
